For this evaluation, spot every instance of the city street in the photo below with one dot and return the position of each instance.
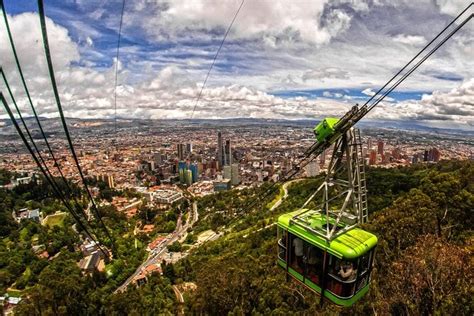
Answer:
(161, 253)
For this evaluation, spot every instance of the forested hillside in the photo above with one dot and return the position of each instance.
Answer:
(423, 218)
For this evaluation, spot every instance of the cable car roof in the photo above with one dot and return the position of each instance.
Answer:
(349, 245)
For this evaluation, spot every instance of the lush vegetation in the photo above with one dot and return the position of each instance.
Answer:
(421, 214)
(40, 262)
(423, 218)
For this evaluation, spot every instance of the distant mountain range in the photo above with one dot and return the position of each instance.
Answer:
(54, 124)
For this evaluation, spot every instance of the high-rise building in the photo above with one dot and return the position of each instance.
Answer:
(188, 177)
(181, 175)
(235, 177)
(322, 157)
(220, 151)
(396, 153)
(189, 148)
(312, 169)
(107, 178)
(434, 155)
(195, 172)
(182, 165)
(227, 172)
(373, 157)
(180, 148)
(158, 158)
(227, 153)
(380, 147)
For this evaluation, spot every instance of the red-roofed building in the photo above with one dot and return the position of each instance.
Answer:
(158, 240)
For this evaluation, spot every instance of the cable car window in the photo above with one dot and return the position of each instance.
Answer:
(362, 282)
(344, 270)
(342, 277)
(314, 263)
(364, 263)
(282, 243)
(296, 254)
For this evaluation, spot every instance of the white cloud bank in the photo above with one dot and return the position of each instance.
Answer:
(171, 92)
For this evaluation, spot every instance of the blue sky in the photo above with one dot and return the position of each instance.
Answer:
(313, 58)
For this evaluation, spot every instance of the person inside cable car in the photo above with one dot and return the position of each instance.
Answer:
(342, 278)
(314, 264)
(298, 250)
(347, 271)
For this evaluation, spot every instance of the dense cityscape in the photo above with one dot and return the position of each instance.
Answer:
(210, 158)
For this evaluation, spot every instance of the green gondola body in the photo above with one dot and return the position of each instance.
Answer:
(325, 128)
(324, 265)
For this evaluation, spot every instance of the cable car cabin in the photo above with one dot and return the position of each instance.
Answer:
(340, 268)
(325, 128)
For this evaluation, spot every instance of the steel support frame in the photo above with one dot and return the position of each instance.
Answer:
(344, 175)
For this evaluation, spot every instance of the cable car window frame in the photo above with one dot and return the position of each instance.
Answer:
(362, 269)
(292, 257)
(317, 267)
(282, 239)
(345, 288)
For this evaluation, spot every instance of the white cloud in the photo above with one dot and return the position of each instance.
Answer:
(414, 40)
(452, 7)
(453, 109)
(29, 44)
(89, 41)
(273, 22)
(368, 92)
(298, 46)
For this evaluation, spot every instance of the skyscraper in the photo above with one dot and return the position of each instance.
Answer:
(189, 148)
(235, 178)
(434, 155)
(322, 157)
(227, 172)
(312, 169)
(373, 157)
(188, 177)
(220, 151)
(380, 147)
(157, 158)
(195, 173)
(180, 148)
(227, 153)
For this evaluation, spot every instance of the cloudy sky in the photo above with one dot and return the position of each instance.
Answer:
(289, 59)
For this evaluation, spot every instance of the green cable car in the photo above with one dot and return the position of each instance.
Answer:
(325, 128)
(320, 244)
(340, 268)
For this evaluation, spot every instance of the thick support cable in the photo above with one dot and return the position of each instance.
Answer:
(215, 57)
(20, 71)
(69, 194)
(45, 173)
(116, 66)
(416, 56)
(422, 60)
(63, 119)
